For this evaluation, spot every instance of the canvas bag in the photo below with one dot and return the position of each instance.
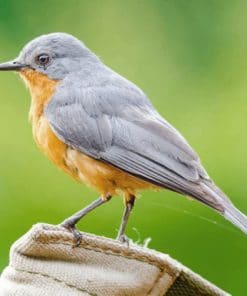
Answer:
(44, 262)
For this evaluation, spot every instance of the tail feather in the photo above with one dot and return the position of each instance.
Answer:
(225, 207)
(233, 215)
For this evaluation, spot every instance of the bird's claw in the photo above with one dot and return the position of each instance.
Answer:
(76, 233)
(123, 239)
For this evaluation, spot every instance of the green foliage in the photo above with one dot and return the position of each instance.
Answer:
(190, 58)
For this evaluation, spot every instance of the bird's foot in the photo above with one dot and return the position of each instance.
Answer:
(76, 233)
(123, 239)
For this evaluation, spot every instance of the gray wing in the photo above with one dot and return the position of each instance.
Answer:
(122, 128)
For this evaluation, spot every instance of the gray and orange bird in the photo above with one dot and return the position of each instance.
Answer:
(102, 129)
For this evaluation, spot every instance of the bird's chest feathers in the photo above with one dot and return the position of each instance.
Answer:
(103, 177)
(42, 90)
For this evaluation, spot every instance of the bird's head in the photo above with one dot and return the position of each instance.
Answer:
(54, 56)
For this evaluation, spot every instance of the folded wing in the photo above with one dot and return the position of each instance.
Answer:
(131, 137)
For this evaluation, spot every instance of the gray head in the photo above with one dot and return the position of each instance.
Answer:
(55, 55)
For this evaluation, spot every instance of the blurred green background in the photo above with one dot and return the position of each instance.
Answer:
(189, 56)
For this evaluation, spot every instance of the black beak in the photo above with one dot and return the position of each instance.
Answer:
(12, 66)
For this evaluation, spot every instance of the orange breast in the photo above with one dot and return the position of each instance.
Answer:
(42, 89)
(105, 178)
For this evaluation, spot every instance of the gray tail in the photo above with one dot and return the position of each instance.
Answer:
(233, 215)
(224, 206)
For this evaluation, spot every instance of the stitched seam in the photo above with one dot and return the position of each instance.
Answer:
(56, 280)
(172, 283)
(162, 272)
(66, 241)
(107, 251)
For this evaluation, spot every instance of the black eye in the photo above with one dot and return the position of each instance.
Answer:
(43, 59)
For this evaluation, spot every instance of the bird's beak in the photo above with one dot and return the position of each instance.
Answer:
(12, 66)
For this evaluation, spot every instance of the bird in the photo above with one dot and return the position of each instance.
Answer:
(103, 130)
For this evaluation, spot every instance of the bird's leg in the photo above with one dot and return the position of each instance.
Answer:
(70, 223)
(128, 208)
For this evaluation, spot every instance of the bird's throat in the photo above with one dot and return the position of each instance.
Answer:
(41, 88)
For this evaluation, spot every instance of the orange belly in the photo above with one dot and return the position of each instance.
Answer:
(103, 177)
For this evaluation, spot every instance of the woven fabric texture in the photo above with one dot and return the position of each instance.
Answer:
(45, 262)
